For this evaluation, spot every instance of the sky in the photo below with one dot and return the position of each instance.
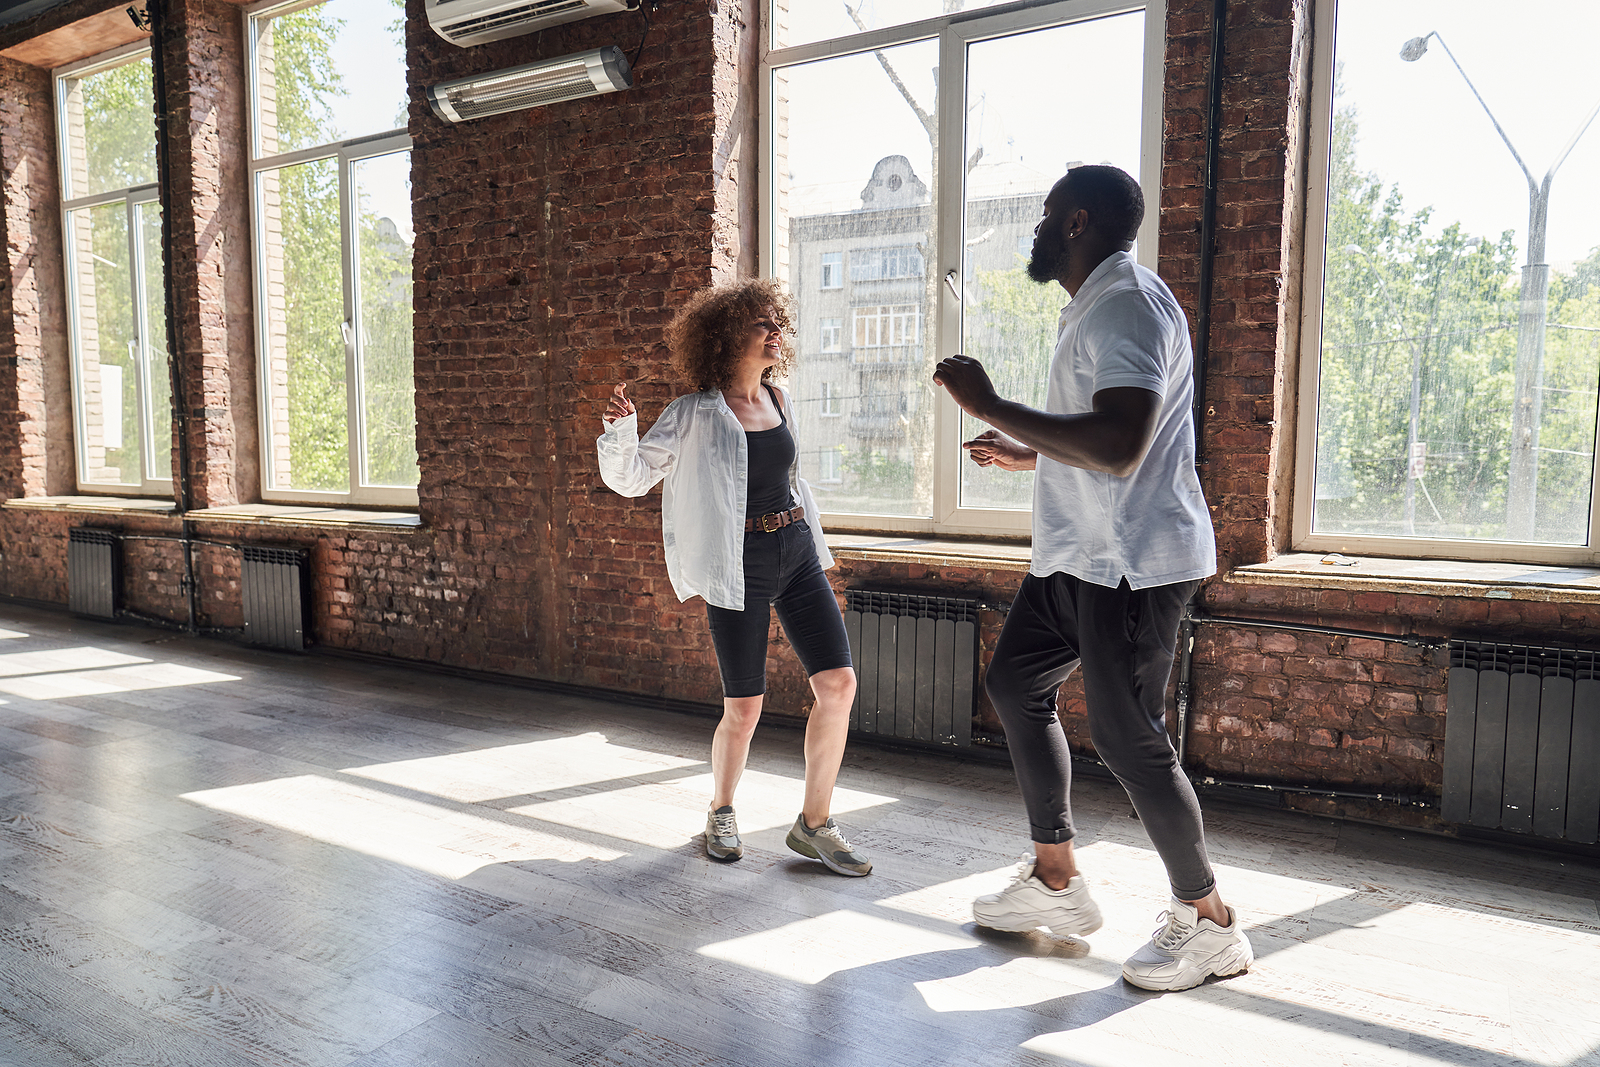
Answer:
(372, 61)
(845, 114)
(1421, 128)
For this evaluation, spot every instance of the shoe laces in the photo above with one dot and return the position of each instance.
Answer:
(1171, 932)
(724, 824)
(1025, 867)
(836, 834)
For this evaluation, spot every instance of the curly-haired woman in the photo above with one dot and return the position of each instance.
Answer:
(740, 530)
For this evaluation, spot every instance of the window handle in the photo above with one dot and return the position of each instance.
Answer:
(346, 331)
(950, 284)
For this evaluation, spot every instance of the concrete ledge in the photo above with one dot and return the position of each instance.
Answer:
(301, 515)
(141, 505)
(989, 555)
(1425, 577)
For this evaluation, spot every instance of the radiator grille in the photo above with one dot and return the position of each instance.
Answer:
(273, 587)
(1522, 740)
(916, 662)
(94, 572)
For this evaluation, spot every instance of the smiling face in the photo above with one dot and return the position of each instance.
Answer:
(763, 341)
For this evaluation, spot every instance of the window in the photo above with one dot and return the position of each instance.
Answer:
(1448, 386)
(832, 335)
(830, 465)
(877, 264)
(917, 154)
(830, 400)
(883, 327)
(332, 208)
(832, 270)
(121, 383)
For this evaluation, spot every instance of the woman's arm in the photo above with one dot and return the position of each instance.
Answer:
(631, 466)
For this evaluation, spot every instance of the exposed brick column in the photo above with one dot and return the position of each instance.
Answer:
(1249, 411)
(36, 457)
(210, 272)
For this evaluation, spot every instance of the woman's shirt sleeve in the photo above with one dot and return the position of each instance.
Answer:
(632, 466)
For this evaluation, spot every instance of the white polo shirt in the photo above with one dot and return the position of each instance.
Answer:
(1124, 328)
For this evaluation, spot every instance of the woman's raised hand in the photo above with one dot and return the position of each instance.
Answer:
(620, 406)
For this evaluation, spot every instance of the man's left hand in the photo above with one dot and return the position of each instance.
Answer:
(967, 383)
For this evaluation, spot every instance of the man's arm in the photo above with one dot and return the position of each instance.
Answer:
(1112, 438)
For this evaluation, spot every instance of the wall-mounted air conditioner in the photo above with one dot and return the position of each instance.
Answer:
(470, 22)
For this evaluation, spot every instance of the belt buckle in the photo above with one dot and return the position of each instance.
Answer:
(774, 516)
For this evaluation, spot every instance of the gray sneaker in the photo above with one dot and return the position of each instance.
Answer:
(827, 843)
(722, 835)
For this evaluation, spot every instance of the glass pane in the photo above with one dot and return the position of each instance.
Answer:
(383, 309)
(854, 167)
(1018, 143)
(105, 332)
(306, 397)
(158, 372)
(329, 73)
(1461, 318)
(110, 126)
(803, 21)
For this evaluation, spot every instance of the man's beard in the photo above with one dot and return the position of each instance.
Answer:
(1050, 258)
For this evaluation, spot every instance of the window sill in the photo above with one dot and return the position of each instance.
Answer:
(302, 515)
(127, 505)
(1426, 577)
(989, 555)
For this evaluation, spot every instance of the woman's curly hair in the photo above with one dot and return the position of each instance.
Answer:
(708, 334)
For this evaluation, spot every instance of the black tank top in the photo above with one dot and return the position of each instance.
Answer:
(772, 453)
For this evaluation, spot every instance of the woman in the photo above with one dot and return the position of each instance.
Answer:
(739, 527)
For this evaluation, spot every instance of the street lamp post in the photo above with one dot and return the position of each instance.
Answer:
(1522, 493)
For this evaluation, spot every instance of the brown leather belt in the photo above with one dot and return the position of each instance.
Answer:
(774, 521)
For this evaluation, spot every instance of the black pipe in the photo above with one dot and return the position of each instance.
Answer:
(156, 13)
(1413, 640)
(1208, 225)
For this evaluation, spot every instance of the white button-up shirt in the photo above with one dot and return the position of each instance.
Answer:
(698, 446)
(1152, 527)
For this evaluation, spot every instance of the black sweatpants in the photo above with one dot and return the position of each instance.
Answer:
(1124, 640)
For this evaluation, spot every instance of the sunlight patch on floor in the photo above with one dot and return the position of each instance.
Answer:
(62, 659)
(418, 834)
(521, 769)
(810, 950)
(106, 682)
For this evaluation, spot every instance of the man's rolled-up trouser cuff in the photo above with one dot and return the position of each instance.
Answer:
(1045, 835)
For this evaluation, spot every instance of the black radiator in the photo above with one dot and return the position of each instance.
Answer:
(1522, 740)
(916, 665)
(94, 572)
(274, 588)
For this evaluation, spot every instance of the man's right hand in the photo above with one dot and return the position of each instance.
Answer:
(994, 449)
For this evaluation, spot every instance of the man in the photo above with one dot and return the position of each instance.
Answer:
(1121, 539)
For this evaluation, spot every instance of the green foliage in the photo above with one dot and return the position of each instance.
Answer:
(119, 128)
(304, 77)
(1403, 298)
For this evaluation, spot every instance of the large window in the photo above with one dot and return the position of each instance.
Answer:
(331, 194)
(1452, 313)
(909, 163)
(121, 385)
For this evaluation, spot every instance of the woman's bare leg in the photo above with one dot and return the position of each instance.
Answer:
(825, 736)
(730, 745)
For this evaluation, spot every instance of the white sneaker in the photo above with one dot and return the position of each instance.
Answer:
(1027, 904)
(1185, 950)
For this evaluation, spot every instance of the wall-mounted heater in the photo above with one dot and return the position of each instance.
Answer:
(94, 572)
(470, 22)
(916, 665)
(600, 70)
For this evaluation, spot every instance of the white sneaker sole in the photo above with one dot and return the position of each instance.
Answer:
(1018, 924)
(1234, 959)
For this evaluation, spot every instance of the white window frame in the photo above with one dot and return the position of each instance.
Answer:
(832, 335)
(1302, 538)
(834, 279)
(954, 33)
(347, 153)
(131, 197)
(831, 408)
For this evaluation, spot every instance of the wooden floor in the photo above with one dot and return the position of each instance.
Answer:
(219, 857)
